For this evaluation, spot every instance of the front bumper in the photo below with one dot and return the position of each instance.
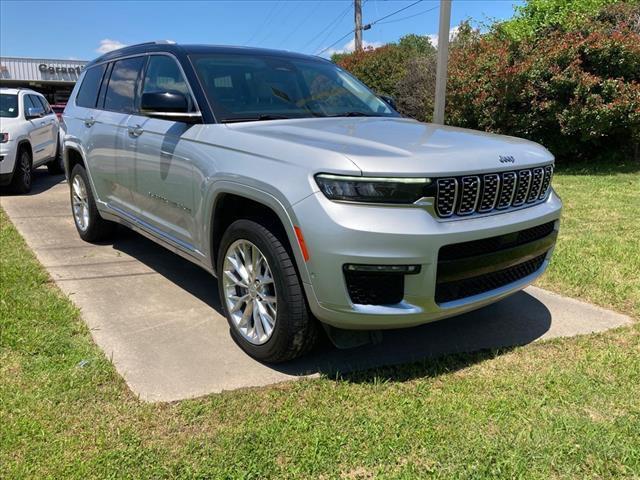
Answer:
(7, 162)
(346, 233)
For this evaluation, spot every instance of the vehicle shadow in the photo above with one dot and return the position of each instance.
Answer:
(41, 182)
(427, 350)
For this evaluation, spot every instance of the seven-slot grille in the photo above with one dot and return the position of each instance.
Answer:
(492, 191)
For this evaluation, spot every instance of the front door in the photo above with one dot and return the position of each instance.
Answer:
(163, 178)
(38, 130)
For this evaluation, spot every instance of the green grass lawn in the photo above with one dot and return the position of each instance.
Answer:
(564, 408)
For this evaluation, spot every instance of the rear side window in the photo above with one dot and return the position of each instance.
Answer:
(88, 93)
(121, 90)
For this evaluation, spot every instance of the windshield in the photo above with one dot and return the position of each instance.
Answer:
(245, 88)
(8, 105)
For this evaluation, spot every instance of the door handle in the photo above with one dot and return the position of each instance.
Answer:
(135, 131)
(88, 122)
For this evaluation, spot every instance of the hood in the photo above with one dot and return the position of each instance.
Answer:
(391, 146)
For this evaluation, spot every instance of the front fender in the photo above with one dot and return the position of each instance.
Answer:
(278, 205)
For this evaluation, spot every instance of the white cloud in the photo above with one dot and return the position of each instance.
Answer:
(433, 37)
(108, 45)
(350, 47)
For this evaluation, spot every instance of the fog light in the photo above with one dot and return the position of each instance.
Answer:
(406, 269)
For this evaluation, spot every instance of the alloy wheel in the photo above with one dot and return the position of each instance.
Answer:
(249, 291)
(80, 203)
(25, 166)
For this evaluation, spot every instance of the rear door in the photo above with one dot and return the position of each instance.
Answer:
(51, 121)
(113, 150)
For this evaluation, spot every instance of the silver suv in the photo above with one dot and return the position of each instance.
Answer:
(309, 197)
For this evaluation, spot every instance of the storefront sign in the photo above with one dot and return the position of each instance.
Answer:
(43, 67)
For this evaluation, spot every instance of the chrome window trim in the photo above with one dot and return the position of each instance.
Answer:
(145, 54)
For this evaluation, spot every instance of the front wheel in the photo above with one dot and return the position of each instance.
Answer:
(90, 225)
(262, 295)
(22, 174)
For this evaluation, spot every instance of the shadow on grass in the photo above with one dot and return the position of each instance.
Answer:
(599, 167)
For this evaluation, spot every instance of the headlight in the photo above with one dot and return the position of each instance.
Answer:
(4, 137)
(373, 189)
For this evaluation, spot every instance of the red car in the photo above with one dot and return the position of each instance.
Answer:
(58, 108)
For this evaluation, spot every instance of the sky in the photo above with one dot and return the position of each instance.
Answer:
(85, 29)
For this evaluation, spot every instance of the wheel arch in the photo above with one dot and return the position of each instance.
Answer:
(234, 202)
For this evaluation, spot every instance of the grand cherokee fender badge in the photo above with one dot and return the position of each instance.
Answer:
(507, 159)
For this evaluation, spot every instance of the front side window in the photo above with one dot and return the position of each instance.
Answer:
(28, 103)
(243, 87)
(164, 75)
(121, 90)
(41, 101)
(88, 93)
(8, 105)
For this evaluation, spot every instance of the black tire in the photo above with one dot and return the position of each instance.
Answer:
(56, 166)
(97, 228)
(295, 330)
(23, 172)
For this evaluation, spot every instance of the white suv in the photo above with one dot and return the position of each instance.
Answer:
(29, 137)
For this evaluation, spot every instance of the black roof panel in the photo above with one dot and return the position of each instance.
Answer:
(197, 49)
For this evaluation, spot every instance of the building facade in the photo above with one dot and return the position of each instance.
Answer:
(54, 78)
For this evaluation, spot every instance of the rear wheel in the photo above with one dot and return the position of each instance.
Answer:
(22, 174)
(262, 295)
(90, 225)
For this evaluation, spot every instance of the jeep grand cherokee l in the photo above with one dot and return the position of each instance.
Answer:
(306, 195)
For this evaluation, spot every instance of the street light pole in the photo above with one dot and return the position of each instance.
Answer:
(443, 59)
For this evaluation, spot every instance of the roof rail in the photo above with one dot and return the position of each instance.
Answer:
(153, 42)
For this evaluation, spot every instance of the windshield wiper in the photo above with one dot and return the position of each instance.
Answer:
(254, 118)
(355, 114)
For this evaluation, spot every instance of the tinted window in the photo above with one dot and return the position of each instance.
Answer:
(164, 75)
(38, 100)
(88, 92)
(244, 87)
(121, 91)
(28, 103)
(8, 105)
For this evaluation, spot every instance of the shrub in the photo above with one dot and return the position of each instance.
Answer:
(576, 92)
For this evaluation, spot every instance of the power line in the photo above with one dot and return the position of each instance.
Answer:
(333, 24)
(409, 16)
(396, 12)
(371, 24)
(288, 36)
(334, 43)
(266, 20)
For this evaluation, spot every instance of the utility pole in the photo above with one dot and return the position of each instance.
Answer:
(443, 59)
(357, 12)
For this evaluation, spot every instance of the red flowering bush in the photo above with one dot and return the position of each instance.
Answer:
(574, 89)
(576, 92)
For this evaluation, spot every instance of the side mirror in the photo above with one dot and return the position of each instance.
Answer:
(389, 100)
(169, 105)
(34, 112)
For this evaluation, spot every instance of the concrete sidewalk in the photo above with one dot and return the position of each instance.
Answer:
(158, 317)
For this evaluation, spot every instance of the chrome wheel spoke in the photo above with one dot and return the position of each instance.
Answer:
(80, 203)
(249, 290)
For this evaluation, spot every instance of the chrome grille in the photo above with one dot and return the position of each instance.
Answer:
(490, 187)
(536, 183)
(462, 196)
(522, 190)
(447, 193)
(469, 195)
(508, 189)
